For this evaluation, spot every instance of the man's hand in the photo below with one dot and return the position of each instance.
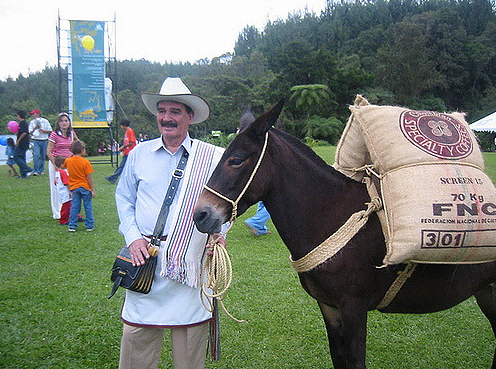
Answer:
(216, 237)
(139, 251)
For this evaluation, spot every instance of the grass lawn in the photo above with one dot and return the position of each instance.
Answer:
(54, 311)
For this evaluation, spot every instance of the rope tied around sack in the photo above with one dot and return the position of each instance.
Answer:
(337, 240)
(370, 169)
(396, 285)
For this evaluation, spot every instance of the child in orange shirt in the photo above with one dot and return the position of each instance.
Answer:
(81, 185)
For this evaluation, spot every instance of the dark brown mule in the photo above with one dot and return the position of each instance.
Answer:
(308, 201)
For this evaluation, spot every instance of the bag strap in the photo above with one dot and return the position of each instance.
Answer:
(171, 192)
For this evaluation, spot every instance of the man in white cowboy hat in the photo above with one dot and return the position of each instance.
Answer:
(174, 300)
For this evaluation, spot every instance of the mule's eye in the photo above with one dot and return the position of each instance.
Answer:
(235, 162)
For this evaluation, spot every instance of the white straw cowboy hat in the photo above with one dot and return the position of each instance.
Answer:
(173, 89)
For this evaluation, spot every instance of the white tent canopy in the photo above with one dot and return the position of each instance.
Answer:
(487, 124)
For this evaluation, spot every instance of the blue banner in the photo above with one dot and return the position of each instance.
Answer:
(88, 74)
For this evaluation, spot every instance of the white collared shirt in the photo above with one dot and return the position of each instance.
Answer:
(143, 185)
(139, 196)
(44, 124)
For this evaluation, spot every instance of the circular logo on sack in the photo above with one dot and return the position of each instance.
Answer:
(437, 134)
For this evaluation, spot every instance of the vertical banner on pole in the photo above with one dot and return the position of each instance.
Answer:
(88, 74)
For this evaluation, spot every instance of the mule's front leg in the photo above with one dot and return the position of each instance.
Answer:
(334, 328)
(354, 317)
(346, 331)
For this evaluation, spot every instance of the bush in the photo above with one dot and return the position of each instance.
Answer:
(486, 140)
(219, 139)
(328, 129)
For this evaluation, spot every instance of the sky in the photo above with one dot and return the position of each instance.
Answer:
(159, 31)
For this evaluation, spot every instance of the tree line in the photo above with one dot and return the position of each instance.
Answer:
(424, 54)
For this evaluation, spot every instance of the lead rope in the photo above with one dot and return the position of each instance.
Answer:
(218, 266)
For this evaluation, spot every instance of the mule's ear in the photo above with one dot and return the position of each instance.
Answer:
(267, 120)
(246, 119)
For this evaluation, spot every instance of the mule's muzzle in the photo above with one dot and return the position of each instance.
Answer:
(206, 220)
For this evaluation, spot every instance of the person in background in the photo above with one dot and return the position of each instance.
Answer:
(257, 223)
(62, 184)
(22, 145)
(9, 153)
(39, 128)
(128, 144)
(59, 144)
(81, 186)
(174, 301)
(102, 148)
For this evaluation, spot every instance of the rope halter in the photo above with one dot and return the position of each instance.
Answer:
(234, 213)
(218, 267)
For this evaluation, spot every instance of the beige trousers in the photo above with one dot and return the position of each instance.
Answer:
(140, 347)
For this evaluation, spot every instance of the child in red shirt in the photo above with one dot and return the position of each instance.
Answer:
(61, 181)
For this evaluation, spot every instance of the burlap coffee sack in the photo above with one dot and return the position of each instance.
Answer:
(396, 136)
(439, 213)
(408, 149)
(351, 152)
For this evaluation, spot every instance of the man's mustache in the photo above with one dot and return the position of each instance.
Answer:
(168, 124)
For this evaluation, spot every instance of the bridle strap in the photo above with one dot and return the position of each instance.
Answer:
(234, 203)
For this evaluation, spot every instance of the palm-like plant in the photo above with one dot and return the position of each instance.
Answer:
(310, 98)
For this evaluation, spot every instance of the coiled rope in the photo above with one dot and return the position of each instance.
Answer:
(219, 273)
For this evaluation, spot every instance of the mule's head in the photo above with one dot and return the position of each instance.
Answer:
(233, 173)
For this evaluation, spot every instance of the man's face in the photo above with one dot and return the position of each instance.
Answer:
(173, 120)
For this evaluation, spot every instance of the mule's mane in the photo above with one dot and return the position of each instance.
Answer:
(300, 147)
(308, 154)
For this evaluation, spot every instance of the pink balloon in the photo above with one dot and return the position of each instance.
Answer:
(13, 126)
